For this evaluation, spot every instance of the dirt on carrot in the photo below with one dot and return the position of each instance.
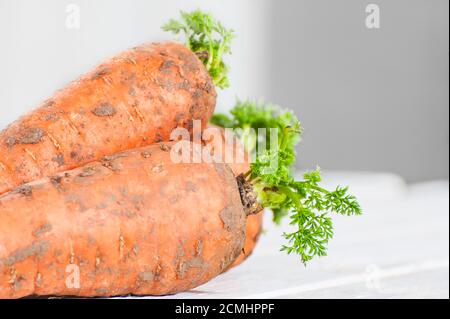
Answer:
(129, 224)
(239, 162)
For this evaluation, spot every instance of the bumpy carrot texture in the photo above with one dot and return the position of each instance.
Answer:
(252, 232)
(134, 223)
(134, 99)
(232, 148)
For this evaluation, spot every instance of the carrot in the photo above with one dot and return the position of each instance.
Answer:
(133, 223)
(133, 99)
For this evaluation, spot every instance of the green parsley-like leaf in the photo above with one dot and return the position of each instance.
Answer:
(305, 202)
(207, 38)
(258, 115)
(308, 204)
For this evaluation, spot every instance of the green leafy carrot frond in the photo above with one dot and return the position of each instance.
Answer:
(307, 204)
(208, 39)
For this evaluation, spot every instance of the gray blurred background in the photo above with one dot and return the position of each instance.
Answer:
(369, 99)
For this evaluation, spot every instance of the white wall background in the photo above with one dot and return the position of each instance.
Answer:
(369, 99)
(38, 54)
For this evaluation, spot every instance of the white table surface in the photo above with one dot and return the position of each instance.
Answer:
(399, 248)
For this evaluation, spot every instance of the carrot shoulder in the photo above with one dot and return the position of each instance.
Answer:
(134, 223)
(134, 99)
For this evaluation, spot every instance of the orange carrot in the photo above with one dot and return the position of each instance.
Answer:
(133, 223)
(133, 99)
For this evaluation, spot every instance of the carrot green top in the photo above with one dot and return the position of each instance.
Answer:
(305, 201)
(208, 39)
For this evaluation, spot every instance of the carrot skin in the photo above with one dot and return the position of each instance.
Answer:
(134, 223)
(131, 100)
(254, 222)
